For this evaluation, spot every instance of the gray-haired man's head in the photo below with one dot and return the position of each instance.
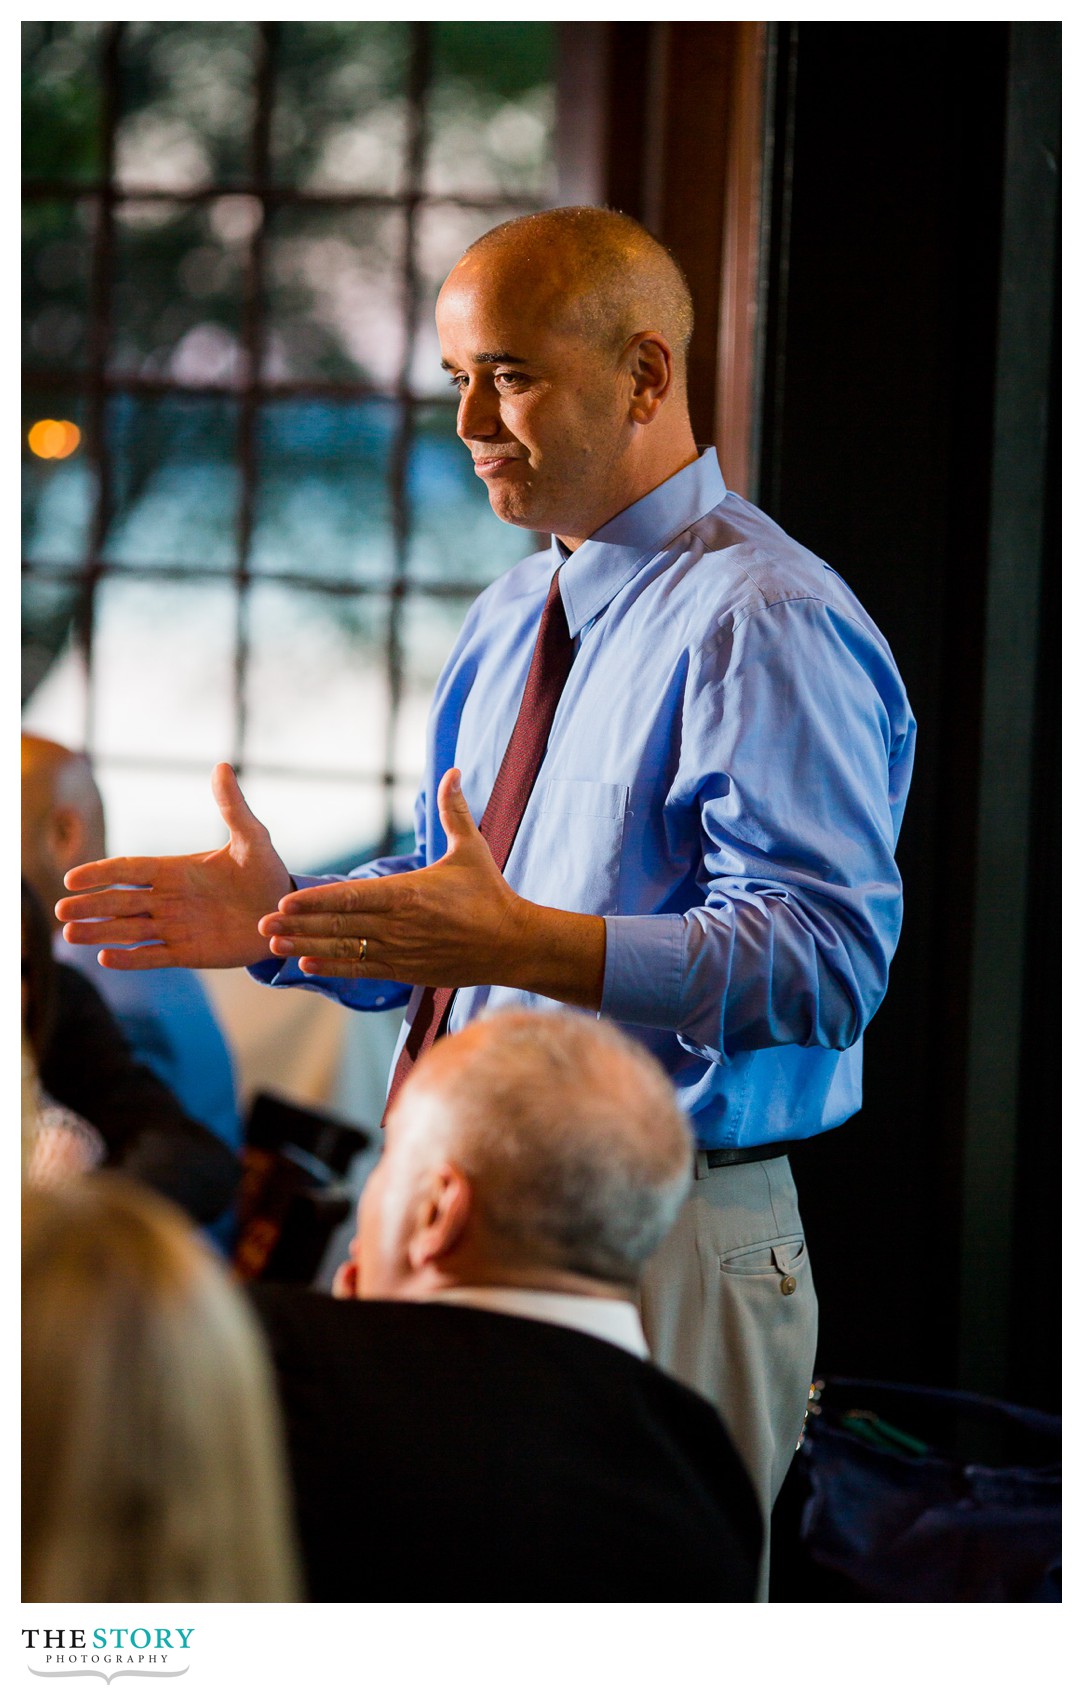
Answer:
(543, 1150)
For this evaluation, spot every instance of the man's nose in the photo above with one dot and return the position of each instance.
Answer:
(479, 414)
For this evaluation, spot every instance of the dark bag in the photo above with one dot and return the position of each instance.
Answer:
(292, 1192)
(924, 1495)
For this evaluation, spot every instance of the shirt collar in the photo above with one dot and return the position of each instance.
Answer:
(615, 1320)
(603, 565)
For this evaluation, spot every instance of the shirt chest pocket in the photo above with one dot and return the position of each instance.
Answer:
(588, 797)
(573, 853)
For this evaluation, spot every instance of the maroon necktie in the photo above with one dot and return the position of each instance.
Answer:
(549, 668)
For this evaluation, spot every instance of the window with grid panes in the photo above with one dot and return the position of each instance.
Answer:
(264, 540)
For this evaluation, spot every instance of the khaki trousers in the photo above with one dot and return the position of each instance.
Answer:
(729, 1308)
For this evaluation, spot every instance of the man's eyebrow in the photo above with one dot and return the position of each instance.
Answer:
(489, 360)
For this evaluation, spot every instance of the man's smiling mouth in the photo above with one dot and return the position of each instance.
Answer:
(495, 462)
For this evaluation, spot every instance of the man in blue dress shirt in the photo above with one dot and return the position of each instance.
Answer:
(707, 854)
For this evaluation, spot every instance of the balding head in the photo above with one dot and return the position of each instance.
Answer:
(63, 822)
(566, 334)
(566, 1144)
(604, 277)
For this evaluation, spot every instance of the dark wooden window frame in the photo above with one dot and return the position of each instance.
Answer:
(96, 384)
(667, 122)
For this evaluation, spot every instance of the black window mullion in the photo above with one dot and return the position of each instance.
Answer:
(100, 331)
(278, 195)
(178, 572)
(249, 390)
(252, 338)
(419, 78)
(274, 389)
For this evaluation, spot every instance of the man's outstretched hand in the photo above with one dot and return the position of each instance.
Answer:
(455, 923)
(203, 908)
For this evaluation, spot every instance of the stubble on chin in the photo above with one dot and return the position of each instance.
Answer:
(513, 507)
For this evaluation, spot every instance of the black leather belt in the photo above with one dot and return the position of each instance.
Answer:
(722, 1158)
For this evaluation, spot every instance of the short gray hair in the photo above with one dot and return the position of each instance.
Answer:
(571, 1133)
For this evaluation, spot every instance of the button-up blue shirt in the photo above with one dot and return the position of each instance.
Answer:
(724, 783)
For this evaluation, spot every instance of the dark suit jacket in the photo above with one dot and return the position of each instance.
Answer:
(444, 1453)
(87, 1064)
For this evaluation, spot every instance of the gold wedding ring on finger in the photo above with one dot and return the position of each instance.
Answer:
(362, 949)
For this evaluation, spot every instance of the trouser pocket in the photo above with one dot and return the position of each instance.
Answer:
(784, 1261)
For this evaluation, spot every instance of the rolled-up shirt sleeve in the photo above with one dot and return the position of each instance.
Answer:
(796, 750)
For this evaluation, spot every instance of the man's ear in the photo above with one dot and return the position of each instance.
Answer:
(650, 361)
(65, 834)
(441, 1218)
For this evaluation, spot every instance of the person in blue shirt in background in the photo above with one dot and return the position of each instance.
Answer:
(165, 1016)
(707, 853)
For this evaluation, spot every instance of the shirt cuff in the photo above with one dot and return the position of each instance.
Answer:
(279, 971)
(644, 969)
(356, 994)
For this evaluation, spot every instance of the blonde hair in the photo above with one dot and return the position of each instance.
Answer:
(153, 1465)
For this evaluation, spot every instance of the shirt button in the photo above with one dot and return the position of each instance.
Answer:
(788, 1284)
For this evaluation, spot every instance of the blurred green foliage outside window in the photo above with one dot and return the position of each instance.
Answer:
(266, 538)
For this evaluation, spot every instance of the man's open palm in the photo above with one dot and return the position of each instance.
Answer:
(202, 908)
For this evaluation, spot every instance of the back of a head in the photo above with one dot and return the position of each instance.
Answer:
(577, 1149)
(153, 1465)
(63, 819)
